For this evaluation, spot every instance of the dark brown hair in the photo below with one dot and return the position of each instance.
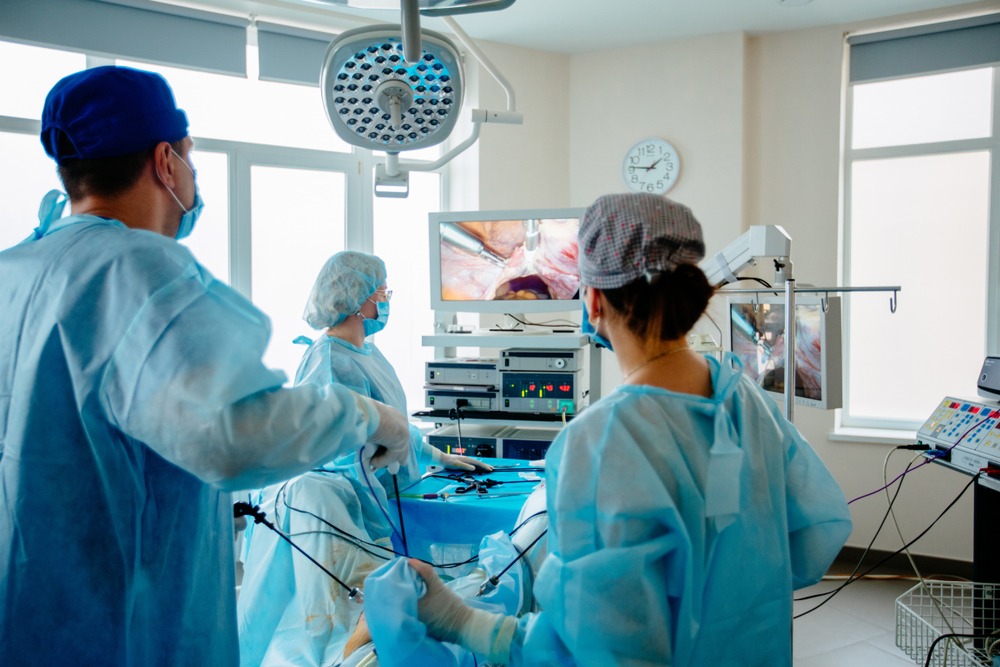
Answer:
(106, 176)
(667, 307)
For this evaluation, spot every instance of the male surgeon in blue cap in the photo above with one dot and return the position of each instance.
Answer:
(133, 400)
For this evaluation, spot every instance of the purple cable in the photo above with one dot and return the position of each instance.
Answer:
(375, 497)
(937, 454)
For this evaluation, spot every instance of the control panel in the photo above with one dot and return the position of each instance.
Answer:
(541, 360)
(507, 442)
(539, 392)
(467, 370)
(969, 431)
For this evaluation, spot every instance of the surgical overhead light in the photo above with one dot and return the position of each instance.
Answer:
(427, 7)
(376, 100)
(397, 88)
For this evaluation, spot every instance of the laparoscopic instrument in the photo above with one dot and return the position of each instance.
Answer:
(246, 509)
(460, 238)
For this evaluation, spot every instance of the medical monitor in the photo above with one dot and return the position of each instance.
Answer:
(757, 338)
(505, 261)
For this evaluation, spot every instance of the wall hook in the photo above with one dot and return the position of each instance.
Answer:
(893, 301)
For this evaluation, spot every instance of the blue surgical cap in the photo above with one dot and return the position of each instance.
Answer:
(345, 282)
(109, 111)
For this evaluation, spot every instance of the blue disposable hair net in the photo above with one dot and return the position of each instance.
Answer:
(344, 283)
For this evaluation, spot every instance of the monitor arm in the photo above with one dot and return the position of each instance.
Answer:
(760, 241)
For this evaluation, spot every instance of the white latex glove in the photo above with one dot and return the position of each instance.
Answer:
(449, 619)
(456, 461)
(392, 435)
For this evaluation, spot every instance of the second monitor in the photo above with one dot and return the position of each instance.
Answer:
(757, 337)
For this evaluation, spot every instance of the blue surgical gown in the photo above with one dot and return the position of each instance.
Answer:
(679, 527)
(132, 400)
(290, 612)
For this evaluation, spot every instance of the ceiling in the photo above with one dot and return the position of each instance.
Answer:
(581, 26)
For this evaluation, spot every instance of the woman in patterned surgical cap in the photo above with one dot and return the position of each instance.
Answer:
(684, 508)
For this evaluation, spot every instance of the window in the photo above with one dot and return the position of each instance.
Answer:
(209, 241)
(26, 172)
(918, 181)
(27, 73)
(401, 239)
(297, 223)
(282, 194)
(238, 109)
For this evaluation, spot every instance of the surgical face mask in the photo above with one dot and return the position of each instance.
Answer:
(377, 324)
(191, 216)
(589, 329)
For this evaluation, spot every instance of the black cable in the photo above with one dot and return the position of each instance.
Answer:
(522, 554)
(491, 583)
(930, 651)
(357, 541)
(857, 567)
(892, 555)
(542, 324)
(246, 509)
(523, 523)
(759, 280)
(399, 508)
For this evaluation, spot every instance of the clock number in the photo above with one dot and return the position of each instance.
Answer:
(631, 170)
(649, 187)
(650, 147)
(635, 179)
(670, 166)
(633, 158)
(659, 185)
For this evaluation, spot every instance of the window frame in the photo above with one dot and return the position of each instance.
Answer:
(852, 155)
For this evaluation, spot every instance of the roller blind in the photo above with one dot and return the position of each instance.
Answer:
(131, 29)
(951, 45)
(291, 55)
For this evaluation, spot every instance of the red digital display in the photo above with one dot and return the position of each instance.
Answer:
(974, 410)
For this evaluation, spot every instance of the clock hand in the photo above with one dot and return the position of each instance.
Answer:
(654, 164)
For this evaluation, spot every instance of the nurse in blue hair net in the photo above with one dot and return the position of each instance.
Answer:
(684, 509)
(133, 400)
(290, 611)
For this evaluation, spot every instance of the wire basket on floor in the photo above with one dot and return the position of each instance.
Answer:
(927, 611)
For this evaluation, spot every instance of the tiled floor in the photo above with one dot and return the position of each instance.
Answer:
(856, 628)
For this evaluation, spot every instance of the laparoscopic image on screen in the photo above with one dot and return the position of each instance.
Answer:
(759, 342)
(509, 260)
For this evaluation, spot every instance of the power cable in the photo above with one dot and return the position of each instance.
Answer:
(890, 556)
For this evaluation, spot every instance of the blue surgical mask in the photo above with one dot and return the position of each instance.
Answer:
(191, 216)
(589, 329)
(377, 324)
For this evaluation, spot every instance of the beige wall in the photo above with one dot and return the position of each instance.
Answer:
(689, 92)
(520, 166)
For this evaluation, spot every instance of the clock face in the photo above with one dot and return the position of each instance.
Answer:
(652, 165)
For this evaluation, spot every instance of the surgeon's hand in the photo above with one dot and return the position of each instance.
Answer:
(393, 436)
(464, 462)
(449, 619)
(440, 609)
(456, 461)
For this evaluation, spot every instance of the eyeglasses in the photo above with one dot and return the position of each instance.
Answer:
(386, 294)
